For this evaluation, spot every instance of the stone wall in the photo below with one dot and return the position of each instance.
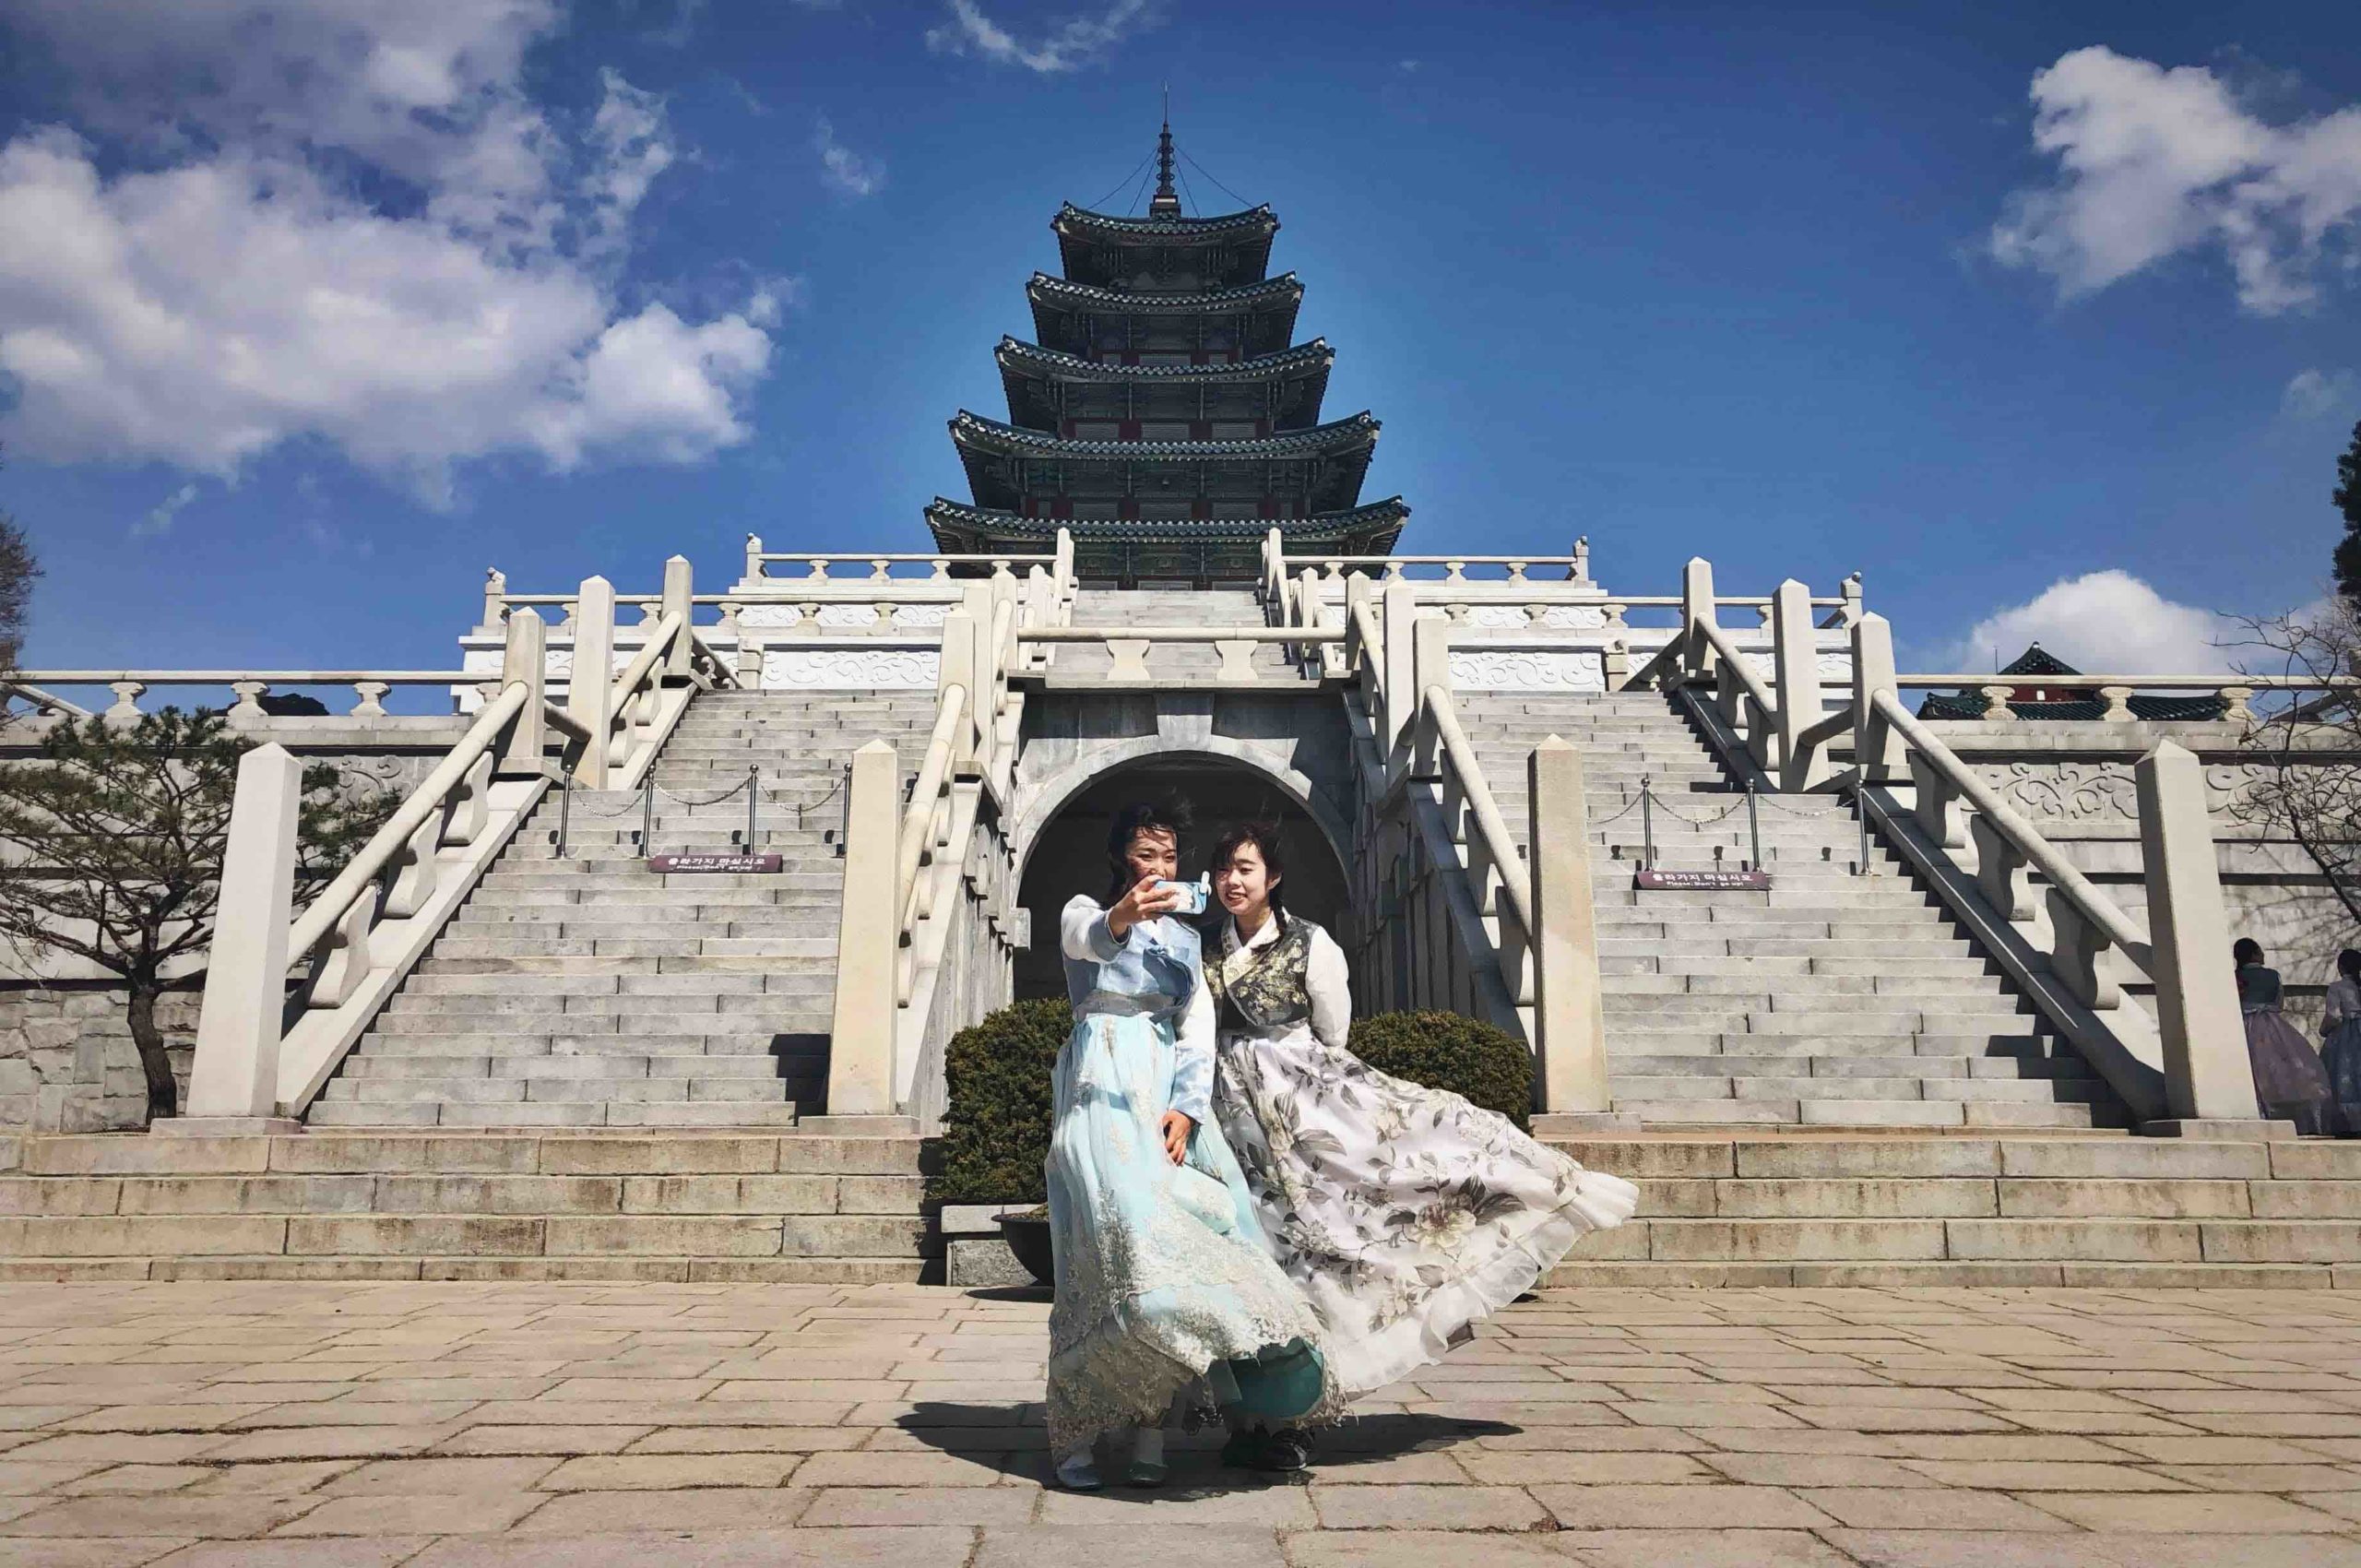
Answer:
(66, 1061)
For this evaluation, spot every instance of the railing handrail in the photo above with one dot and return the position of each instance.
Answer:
(2153, 682)
(1499, 844)
(273, 677)
(44, 702)
(1041, 559)
(2096, 906)
(918, 817)
(1740, 668)
(1244, 634)
(364, 868)
(657, 645)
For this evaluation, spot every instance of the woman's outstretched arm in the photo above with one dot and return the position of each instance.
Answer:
(1193, 1057)
(1082, 935)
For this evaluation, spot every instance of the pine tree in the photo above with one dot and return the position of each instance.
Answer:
(2347, 497)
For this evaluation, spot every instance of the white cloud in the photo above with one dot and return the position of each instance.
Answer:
(2106, 623)
(1071, 44)
(159, 520)
(842, 168)
(2153, 162)
(2315, 394)
(343, 220)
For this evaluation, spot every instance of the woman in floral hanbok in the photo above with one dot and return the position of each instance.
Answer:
(1404, 1214)
(1165, 1281)
(2289, 1080)
(2340, 1043)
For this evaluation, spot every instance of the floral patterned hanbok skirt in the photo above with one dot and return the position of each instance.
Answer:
(1404, 1214)
(1165, 1281)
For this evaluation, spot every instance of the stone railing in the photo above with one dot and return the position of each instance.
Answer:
(261, 1053)
(1437, 855)
(247, 688)
(928, 919)
(1128, 648)
(2185, 1062)
(2234, 692)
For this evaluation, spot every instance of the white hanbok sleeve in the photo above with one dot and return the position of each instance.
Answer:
(1082, 935)
(1193, 1057)
(1329, 979)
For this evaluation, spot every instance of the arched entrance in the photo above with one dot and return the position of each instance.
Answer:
(1067, 854)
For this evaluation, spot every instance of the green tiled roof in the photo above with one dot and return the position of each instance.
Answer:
(1304, 358)
(1357, 433)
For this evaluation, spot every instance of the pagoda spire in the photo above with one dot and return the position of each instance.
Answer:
(1166, 202)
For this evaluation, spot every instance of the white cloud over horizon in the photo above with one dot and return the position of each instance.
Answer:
(2153, 162)
(2317, 394)
(1071, 44)
(209, 264)
(2105, 622)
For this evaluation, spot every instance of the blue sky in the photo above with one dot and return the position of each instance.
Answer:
(310, 310)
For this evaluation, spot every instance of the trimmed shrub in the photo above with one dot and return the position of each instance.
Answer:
(996, 1125)
(1486, 1065)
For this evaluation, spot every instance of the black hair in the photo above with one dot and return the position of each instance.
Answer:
(2246, 950)
(1263, 834)
(1171, 814)
(2348, 964)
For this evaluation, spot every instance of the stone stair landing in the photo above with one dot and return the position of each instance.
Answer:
(586, 991)
(1844, 996)
(1169, 607)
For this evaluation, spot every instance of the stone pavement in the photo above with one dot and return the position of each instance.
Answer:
(518, 1425)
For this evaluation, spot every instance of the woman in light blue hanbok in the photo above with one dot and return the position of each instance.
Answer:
(1164, 1277)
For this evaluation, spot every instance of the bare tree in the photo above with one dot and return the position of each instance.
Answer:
(2309, 787)
(110, 847)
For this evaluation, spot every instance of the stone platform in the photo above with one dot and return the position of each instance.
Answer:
(524, 1425)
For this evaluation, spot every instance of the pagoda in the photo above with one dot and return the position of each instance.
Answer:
(1164, 412)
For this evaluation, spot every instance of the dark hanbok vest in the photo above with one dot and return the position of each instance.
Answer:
(1271, 993)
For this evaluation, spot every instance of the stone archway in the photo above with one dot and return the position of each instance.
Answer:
(1062, 850)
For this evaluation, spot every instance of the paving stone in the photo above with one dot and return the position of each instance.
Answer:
(1677, 1507)
(667, 1472)
(380, 1552)
(1386, 1548)
(2188, 1513)
(1692, 1549)
(456, 1513)
(922, 1505)
(726, 1508)
(711, 1548)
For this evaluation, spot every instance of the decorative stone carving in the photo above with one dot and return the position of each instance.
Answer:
(769, 615)
(920, 615)
(1581, 617)
(1526, 670)
(1496, 617)
(902, 668)
(2103, 791)
(847, 614)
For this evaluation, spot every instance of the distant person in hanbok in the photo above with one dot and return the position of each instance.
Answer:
(2340, 1043)
(2288, 1077)
(1164, 1282)
(1404, 1214)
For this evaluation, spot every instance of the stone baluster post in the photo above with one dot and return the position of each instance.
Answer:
(756, 567)
(127, 700)
(955, 665)
(679, 599)
(371, 695)
(2207, 1075)
(1696, 614)
(247, 709)
(1429, 667)
(861, 1048)
(235, 1077)
(1569, 1023)
(496, 599)
(1850, 614)
(1876, 750)
(525, 658)
(1795, 665)
(590, 687)
(1397, 611)
(1580, 571)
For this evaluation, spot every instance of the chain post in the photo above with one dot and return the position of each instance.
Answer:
(647, 818)
(1647, 822)
(753, 798)
(844, 810)
(1861, 810)
(564, 811)
(1754, 828)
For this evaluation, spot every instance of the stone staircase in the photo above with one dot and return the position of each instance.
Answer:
(584, 990)
(1834, 999)
(797, 1207)
(1169, 607)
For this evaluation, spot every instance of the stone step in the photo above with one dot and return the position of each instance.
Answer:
(768, 1023)
(1805, 1012)
(1835, 1067)
(678, 1066)
(1731, 973)
(446, 1193)
(552, 955)
(514, 1045)
(382, 1090)
(326, 1112)
(1641, 1087)
(1904, 1113)
(622, 1154)
(1626, 1035)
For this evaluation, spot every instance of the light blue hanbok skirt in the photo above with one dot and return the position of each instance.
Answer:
(1164, 1276)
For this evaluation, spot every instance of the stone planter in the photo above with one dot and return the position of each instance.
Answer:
(1029, 1238)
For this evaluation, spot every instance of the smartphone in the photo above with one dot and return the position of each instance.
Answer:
(1194, 896)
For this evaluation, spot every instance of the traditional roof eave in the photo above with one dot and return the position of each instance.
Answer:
(1376, 516)
(974, 433)
(1303, 360)
(1110, 228)
(1283, 292)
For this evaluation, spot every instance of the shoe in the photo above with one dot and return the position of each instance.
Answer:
(1244, 1449)
(1146, 1473)
(1284, 1453)
(1079, 1472)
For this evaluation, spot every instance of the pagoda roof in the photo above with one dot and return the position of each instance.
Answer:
(1385, 517)
(1356, 434)
(1083, 236)
(1283, 292)
(1017, 357)
(1337, 455)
